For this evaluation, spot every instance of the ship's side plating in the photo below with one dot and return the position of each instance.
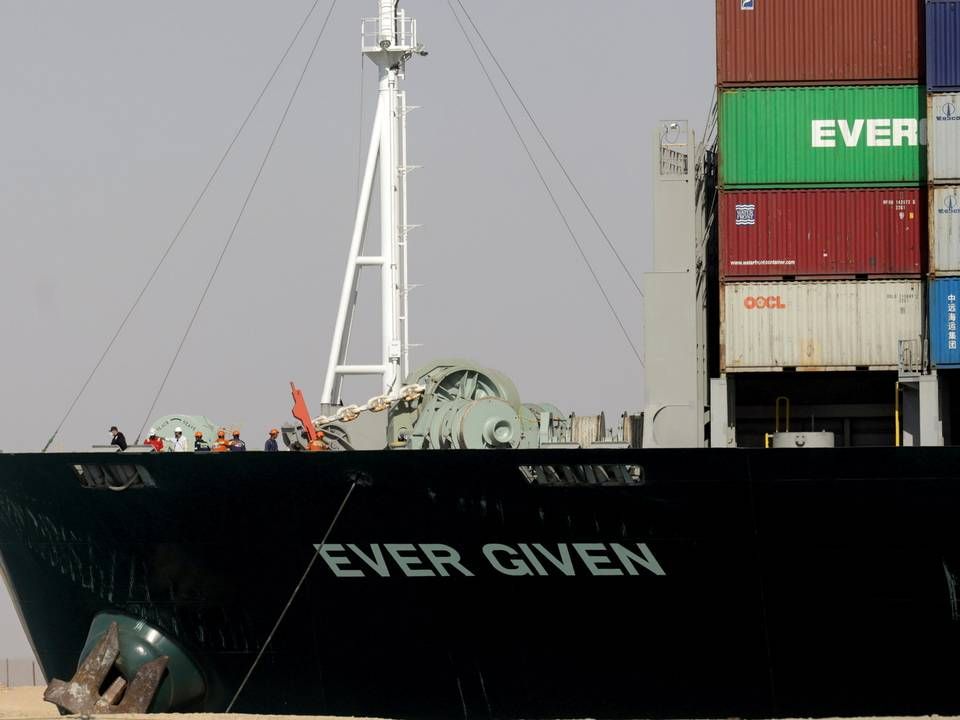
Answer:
(528, 583)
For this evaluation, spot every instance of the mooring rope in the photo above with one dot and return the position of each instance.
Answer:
(293, 595)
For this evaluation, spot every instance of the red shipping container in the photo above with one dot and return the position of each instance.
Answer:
(822, 233)
(819, 42)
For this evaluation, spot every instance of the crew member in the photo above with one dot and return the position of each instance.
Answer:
(317, 444)
(199, 444)
(271, 444)
(237, 445)
(221, 444)
(179, 441)
(153, 441)
(118, 438)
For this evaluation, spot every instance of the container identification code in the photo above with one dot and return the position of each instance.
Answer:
(746, 214)
(951, 322)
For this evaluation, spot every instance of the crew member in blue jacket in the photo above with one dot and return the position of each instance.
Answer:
(237, 445)
(271, 444)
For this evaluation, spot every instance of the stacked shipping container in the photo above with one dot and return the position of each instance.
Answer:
(822, 136)
(821, 233)
(814, 324)
(822, 163)
(944, 293)
(817, 42)
(943, 52)
(943, 123)
(943, 153)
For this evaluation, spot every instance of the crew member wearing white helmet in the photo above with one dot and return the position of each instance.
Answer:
(153, 441)
(179, 441)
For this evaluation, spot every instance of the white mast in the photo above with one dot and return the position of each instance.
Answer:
(389, 40)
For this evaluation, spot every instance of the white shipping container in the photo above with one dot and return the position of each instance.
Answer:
(945, 230)
(818, 325)
(943, 137)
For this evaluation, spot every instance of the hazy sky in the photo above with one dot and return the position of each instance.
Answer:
(114, 113)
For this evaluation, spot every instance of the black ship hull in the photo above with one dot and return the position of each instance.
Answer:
(515, 584)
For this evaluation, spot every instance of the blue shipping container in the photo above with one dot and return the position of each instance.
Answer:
(944, 299)
(943, 45)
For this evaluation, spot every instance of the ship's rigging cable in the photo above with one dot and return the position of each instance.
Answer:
(563, 169)
(293, 595)
(236, 224)
(183, 225)
(546, 185)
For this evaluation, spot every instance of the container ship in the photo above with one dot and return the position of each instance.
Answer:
(771, 537)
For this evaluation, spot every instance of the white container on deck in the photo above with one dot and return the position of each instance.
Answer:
(818, 325)
(943, 138)
(945, 230)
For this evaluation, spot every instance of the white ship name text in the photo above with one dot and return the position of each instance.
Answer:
(517, 560)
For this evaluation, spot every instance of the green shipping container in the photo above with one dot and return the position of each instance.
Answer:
(823, 136)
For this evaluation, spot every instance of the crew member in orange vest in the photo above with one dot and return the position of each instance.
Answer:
(317, 444)
(221, 444)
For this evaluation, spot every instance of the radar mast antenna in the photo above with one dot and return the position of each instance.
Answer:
(389, 40)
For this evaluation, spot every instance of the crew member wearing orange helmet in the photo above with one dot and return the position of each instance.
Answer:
(271, 444)
(199, 444)
(221, 444)
(317, 444)
(237, 445)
